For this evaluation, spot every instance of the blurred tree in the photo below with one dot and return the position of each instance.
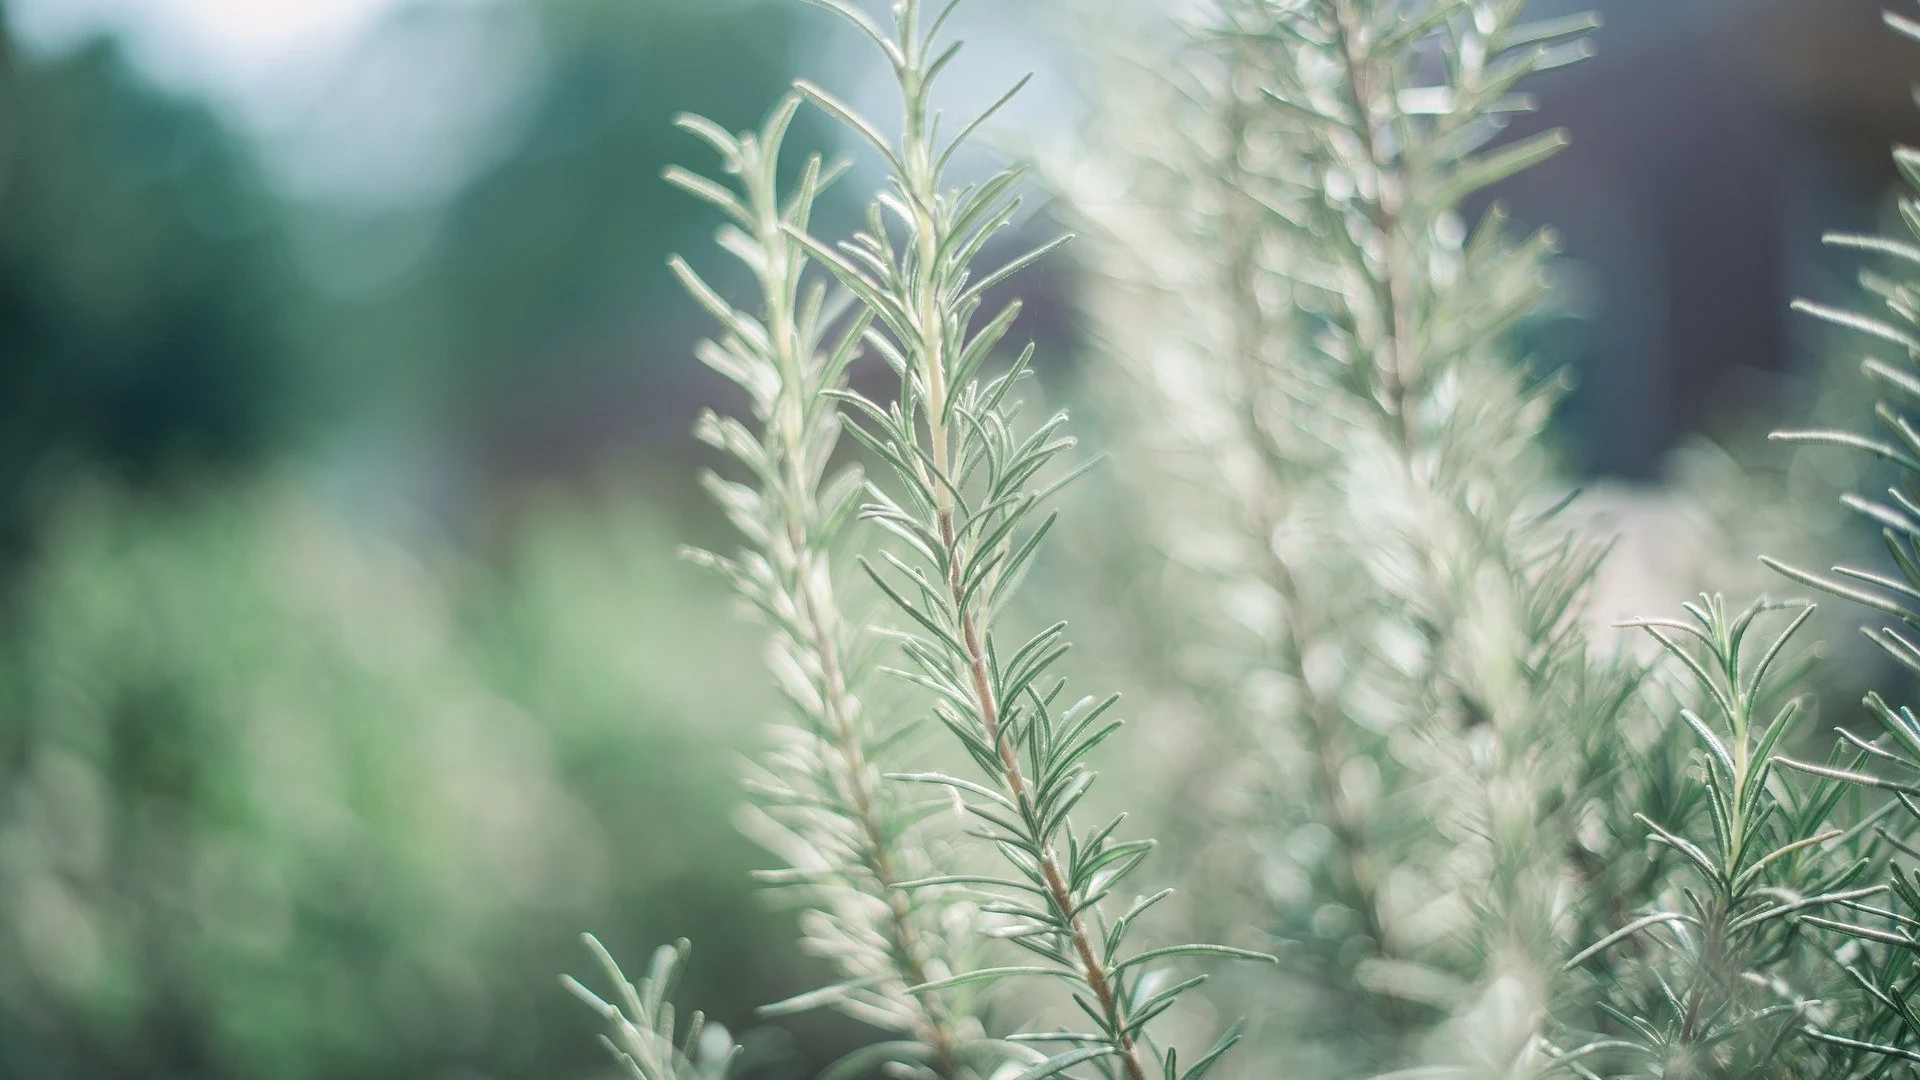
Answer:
(274, 798)
(540, 331)
(141, 280)
(155, 320)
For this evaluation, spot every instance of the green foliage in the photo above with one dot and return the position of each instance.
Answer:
(280, 802)
(1484, 849)
(237, 813)
(281, 798)
(1343, 471)
(142, 284)
(641, 1027)
(964, 509)
(1719, 979)
(562, 245)
(853, 846)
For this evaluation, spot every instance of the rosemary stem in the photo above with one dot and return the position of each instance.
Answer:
(1060, 893)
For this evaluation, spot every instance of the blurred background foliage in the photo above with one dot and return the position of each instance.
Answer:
(142, 291)
(346, 671)
(324, 727)
(285, 799)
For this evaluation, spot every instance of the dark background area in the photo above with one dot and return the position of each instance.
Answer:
(1713, 144)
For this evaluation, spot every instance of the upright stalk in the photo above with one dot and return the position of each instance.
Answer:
(823, 805)
(964, 510)
(1712, 989)
(1398, 576)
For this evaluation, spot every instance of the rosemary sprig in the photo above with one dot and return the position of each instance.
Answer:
(1710, 975)
(641, 1031)
(850, 841)
(966, 511)
(1329, 360)
(1879, 1033)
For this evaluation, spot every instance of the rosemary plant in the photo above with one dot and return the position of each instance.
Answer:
(641, 1028)
(970, 487)
(1322, 355)
(969, 482)
(1882, 1032)
(850, 841)
(1717, 980)
(1483, 850)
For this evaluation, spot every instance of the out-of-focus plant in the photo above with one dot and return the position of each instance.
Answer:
(279, 798)
(584, 617)
(1369, 599)
(546, 283)
(260, 810)
(143, 289)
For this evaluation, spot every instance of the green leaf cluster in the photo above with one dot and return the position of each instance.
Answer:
(849, 840)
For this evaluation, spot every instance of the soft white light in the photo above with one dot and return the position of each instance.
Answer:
(204, 45)
(370, 103)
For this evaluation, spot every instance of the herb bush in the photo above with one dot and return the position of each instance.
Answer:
(1429, 822)
(281, 798)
